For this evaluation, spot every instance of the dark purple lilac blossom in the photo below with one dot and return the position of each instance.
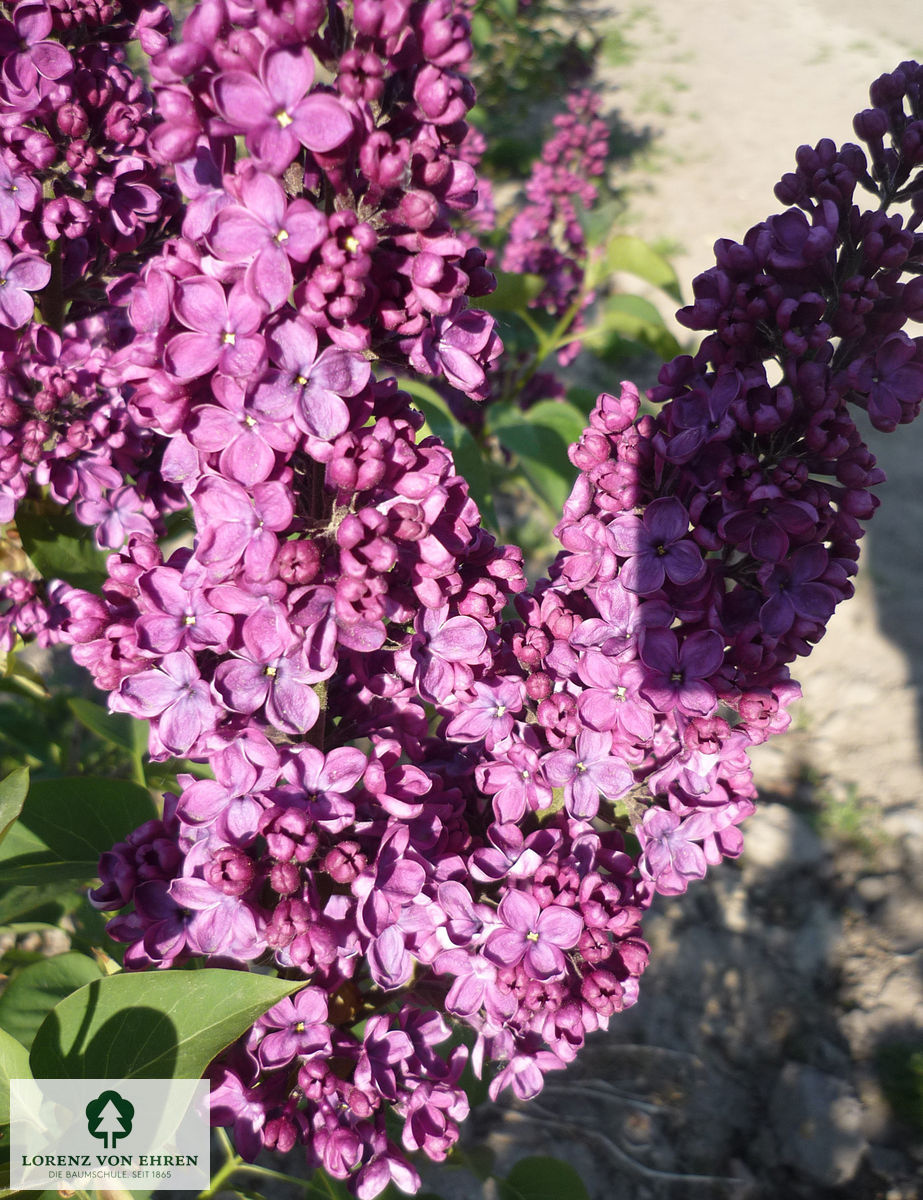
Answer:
(217, 923)
(671, 850)
(269, 232)
(268, 679)
(515, 780)
(588, 771)
(678, 673)
(311, 388)
(103, 201)
(176, 695)
(221, 330)
(19, 193)
(29, 55)
(656, 547)
(293, 1029)
(490, 714)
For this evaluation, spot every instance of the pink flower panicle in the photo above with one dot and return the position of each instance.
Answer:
(546, 236)
(82, 203)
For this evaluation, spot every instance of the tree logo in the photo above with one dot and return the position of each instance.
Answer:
(109, 1116)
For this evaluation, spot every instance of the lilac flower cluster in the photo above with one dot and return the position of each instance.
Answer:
(716, 538)
(357, 230)
(437, 816)
(546, 237)
(81, 202)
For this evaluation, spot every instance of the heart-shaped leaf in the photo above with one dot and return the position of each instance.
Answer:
(47, 902)
(469, 461)
(65, 825)
(115, 728)
(34, 991)
(159, 1025)
(543, 1178)
(58, 545)
(13, 791)
(513, 293)
(14, 1064)
(540, 437)
(631, 254)
(633, 319)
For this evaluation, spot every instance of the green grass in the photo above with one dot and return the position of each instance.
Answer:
(900, 1072)
(616, 49)
(849, 819)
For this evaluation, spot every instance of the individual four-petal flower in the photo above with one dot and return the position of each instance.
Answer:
(276, 112)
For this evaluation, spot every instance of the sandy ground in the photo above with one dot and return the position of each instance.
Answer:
(728, 94)
(785, 995)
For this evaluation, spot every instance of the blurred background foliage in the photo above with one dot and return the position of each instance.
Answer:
(530, 59)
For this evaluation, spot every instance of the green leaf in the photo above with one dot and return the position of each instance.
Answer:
(24, 677)
(325, 1185)
(542, 1178)
(520, 333)
(631, 254)
(15, 958)
(480, 30)
(115, 728)
(14, 1064)
(563, 418)
(34, 991)
(13, 791)
(26, 859)
(89, 933)
(597, 222)
(59, 546)
(20, 900)
(633, 318)
(158, 1025)
(583, 398)
(546, 482)
(624, 310)
(471, 465)
(513, 293)
(25, 729)
(541, 447)
(66, 824)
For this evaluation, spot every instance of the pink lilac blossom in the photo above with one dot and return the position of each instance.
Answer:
(20, 274)
(546, 237)
(77, 121)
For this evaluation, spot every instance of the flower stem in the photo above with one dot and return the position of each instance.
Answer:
(234, 1163)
